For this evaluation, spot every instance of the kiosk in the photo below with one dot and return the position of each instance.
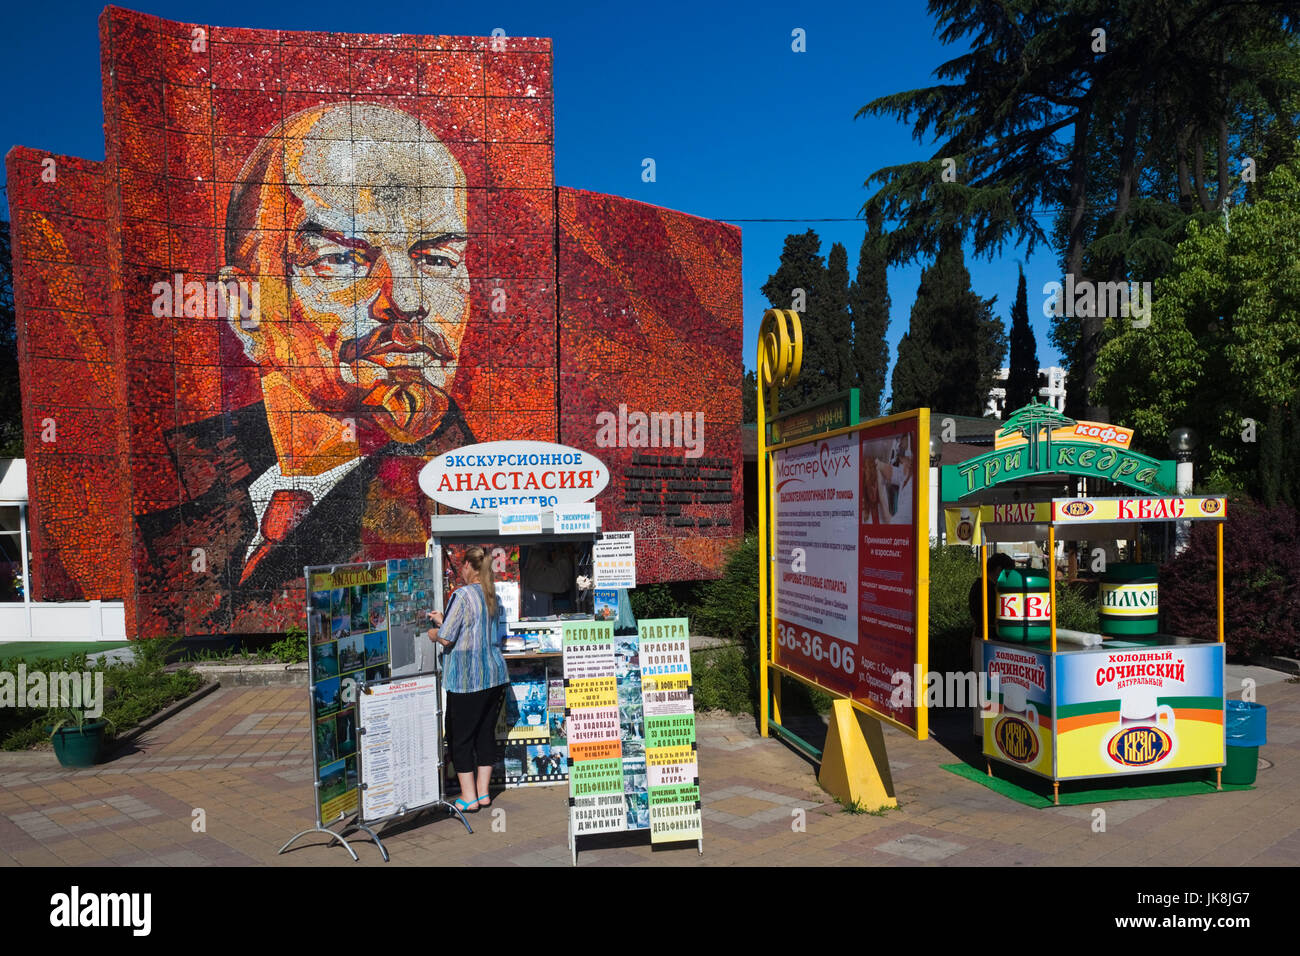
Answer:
(1075, 705)
(530, 731)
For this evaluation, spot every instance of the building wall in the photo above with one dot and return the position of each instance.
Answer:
(650, 325)
(247, 156)
(70, 368)
(1051, 391)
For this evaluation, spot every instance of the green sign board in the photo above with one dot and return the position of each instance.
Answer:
(1087, 459)
(838, 411)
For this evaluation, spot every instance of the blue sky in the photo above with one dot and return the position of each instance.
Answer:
(739, 125)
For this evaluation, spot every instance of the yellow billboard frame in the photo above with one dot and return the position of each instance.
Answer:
(855, 767)
(922, 516)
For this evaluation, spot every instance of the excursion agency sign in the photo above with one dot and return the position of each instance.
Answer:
(848, 509)
(505, 473)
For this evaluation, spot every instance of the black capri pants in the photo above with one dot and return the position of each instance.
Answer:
(471, 727)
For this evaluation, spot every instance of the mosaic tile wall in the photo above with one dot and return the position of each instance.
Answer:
(650, 333)
(70, 373)
(321, 259)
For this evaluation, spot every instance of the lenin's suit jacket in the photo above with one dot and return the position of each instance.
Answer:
(376, 511)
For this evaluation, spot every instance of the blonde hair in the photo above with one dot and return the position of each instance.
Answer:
(477, 559)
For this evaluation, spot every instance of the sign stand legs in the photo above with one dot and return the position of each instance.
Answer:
(855, 767)
(357, 825)
(451, 808)
(338, 838)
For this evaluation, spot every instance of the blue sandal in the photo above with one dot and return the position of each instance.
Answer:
(463, 807)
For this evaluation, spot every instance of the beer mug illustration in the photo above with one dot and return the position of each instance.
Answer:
(1016, 728)
(1144, 736)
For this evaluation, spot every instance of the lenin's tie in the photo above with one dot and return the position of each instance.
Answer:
(283, 512)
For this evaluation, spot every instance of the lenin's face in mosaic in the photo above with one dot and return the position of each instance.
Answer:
(350, 220)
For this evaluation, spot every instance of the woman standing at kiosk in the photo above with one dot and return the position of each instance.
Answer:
(474, 674)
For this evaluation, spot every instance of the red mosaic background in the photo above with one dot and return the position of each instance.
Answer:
(650, 318)
(165, 424)
(70, 369)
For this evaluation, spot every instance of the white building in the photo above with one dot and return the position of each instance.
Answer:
(1051, 390)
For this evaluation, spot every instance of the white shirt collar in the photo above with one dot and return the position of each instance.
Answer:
(273, 480)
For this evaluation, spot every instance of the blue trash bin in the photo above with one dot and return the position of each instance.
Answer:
(1246, 727)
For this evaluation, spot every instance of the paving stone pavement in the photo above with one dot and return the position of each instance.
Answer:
(242, 756)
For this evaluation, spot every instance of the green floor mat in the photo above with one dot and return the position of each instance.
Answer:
(1096, 794)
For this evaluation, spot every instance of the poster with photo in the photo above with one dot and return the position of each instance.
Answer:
(344, 651)
(410, 599)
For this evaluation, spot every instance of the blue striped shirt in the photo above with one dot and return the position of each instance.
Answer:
(474, 661)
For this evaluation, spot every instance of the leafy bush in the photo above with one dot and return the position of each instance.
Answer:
(660, 600)
(1076, 607)
(728, 607)
(1261, 582)
(293, 647)
(133, 692)
(725, 678)
(952, 571)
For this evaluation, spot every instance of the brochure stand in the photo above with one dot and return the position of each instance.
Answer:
(363, 624)
(633, 758)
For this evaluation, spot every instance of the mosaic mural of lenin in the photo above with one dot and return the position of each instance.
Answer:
(347, 235)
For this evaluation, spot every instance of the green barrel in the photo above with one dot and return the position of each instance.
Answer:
(1024, 611)
(1130, 601)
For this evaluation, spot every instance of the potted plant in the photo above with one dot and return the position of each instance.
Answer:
(77, 738)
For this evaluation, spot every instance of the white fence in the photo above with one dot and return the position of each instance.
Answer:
(63, 621)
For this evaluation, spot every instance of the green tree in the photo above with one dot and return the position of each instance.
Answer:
(949, 357)
(1022, 378)
(801, 282)
(869, 306)
(833, 313)
(1122, 114)
(749, 398)
(11, 406)
(1222, 351)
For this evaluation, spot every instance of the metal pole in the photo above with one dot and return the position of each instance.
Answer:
(1218, 528)
(27, 581)
(1051, 577)
(764, 551)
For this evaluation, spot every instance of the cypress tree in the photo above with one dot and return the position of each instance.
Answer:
(800, 283)
(949, 358)
(835, 316)
(1022, 380)
(869, 308)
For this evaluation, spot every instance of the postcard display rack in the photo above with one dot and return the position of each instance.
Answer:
(629, 712)
(375, 705)
(530, 727)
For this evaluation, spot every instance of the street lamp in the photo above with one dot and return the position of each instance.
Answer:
(1183, 442)
(936, 452)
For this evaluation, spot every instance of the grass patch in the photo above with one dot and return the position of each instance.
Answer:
(29, 651)
(858, 808)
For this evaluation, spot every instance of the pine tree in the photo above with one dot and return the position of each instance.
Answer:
(800, 283)
(1022, 380)
(949, 358)
(869, 307)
